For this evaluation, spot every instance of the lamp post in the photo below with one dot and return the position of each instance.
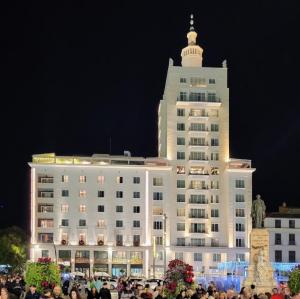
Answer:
(154, 254)
(55, 251)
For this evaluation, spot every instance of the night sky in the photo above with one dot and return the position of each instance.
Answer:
(74, 75)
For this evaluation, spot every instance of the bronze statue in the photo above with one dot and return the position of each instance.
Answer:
(258, 212)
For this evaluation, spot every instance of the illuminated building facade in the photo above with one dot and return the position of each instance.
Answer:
(210, 220)
(110, 213)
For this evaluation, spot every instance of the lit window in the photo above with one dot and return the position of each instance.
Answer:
(101, 223)
(64, 208)
(100, 179)
(82, 208)
(82, 237)
(82, 193)
(181, 212)
(240, 213)
(180, 170)
(65, 178)
(82, 179)
(196, 81)
(157, 181)
(119, 180)
(45, 223)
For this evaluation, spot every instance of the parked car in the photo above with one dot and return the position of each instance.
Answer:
(139, 280)
(111, 281)
(153, 282)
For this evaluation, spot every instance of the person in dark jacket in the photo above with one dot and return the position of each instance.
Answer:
(32, 293)
(17, 287)
(56, 292)
(105, 292)
(93, 294)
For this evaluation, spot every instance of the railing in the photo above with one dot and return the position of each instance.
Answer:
(292, 242)
(198, 173)
(203, 100)
(198, 130)
(198, 115)
(45, 180)
(199, 187)
(119, 260)
(198, 159)
(198, 144)
(203, 202)
(198, 216)
(200, 231)
(46, 194)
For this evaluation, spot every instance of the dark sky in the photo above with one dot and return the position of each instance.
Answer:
(74, 74)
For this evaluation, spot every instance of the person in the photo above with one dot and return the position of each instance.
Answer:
(127, 292)
(4, 293)
(74, 294)
(65, 287)
(46, 294)
(93, 294)
(17, 287)
(32, 293)
(56, 292)
(275, 294)
(222, 295)
(105, 292)
(181, 295)
(98, 284)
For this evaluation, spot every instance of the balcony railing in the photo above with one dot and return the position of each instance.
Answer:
(198, 158)
(46, 180)
(46, 194)
(196, 201)
(199, 187)
(200, 100)
(198, 129)
(198, 173)
(198, 114)
(198, 216)
(198, 231)
(198, 144)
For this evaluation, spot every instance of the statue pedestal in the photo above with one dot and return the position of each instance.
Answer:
(260, 271)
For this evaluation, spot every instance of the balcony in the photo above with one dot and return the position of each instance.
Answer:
(45, 180)
(198, 114)
(198, 231)
(199, 202)
(45, 194)
(198, 187)
(198, 216)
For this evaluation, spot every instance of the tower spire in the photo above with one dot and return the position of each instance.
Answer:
(192, 54)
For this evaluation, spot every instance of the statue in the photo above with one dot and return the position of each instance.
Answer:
(258, 212)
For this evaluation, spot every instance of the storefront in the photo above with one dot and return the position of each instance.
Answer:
(82, 262)
(101, 261)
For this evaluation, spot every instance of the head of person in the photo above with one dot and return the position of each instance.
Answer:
(105, 285)
(93, 290)
(74, 294)
(32, 288)
(57, 291)
(182, 293)
(275, 291)
(222, 295)
(4, 293)
(230, 293)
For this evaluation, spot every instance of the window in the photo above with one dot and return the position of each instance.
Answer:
(45, 208)
(277, 223)
(197, 156)
(181, 212)
(239, 212)
(198, 242)
(214, 127)
(214, 184)
(197, 97)
(158, 240)
(214, 213)
(65, 178)
(239, 184)
(45, 237)
(292, 240)
(211, 97)
(119, 223)
(119, 209)
(119, 180)
(239, 242)
(82, 193)
(240, 257)
(180, 141)
(82, 179)
(119, 240)
(82, 208)
(183, 96)
(180, 155)
(136, 194)
(197, 257)
(216, 257)
(157, 181)
(214, 142)
(196, 81)
(101, 208)
(157, 196)
(179, 256)
(82, 222)
(65, 222)
(292, 256)
(180, 197)
(136, 180)
(197, 213)
(291, 223)
(157, 225)
(45, 223)
(277, 239)
(64, 254)
(197, 127)
(182, 80)
(136, 223)
(278, 256)
(197, 141)
(214, 227)
(239, 198)
(214, 242)
(101, 223)
(180, 242)
(211, 81)
(100, 179)
(45, 253)
(180, 183)
(136, 209)
(197, 228)
(240, 227)
(136, 240)
(65, 193)
(180, 169)
(180, 112)
(180, 227)
(119, 194)
(100, 193)
(64, 208)
(180, 127)
(198, 199)
(214, 156)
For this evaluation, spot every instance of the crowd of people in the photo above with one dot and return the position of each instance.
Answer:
(14, 287)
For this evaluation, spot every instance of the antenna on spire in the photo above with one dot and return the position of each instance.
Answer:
(192, 23)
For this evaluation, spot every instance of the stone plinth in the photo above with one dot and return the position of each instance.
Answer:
(260, 271)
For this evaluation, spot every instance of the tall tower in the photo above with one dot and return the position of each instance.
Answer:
(210, 215)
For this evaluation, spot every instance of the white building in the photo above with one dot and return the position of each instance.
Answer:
(203, 196)
(210, 220)
(99, 213)
(284, 231)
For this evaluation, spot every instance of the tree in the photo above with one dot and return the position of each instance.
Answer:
(13, 248)
(294, 280)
